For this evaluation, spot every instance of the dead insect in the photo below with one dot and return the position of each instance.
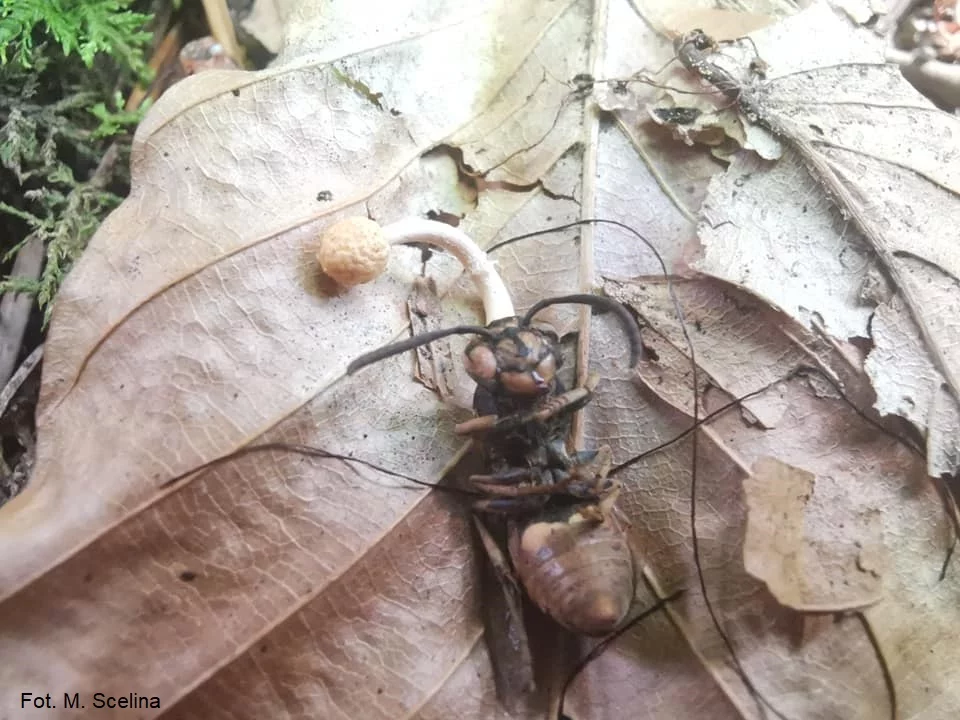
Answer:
(549, 510)
(695, 50)
(565, 546)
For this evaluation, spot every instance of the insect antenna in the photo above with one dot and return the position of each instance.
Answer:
(799, 371)
(703, 421)
(414, 342)
(315, 452)
(627, 321)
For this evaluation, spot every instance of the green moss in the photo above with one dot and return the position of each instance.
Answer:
(81, 27)
(58, 119)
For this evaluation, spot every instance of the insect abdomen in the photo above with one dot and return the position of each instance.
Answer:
(577, 570)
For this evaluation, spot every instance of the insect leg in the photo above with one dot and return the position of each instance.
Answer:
(497, 559)
(551, 407)
(517, 491)
(588, 470)
(524, 505)
(510, 476)
(482, 424)
(558, 405)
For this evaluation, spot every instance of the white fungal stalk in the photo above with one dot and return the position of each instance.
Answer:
(496, 300)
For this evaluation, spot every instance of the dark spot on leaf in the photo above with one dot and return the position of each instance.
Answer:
(88, 577)
(324, 196)
(395, 112)
(583, 81)
(444, 217)
(677, 115)
(188, 576)
(235, 92)
(816, 128)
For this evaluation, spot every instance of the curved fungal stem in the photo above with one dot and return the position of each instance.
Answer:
(496, 299)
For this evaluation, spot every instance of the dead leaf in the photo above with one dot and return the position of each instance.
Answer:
(277, 586)
(813, 431)
(872, 181)
(265, 22)
(808, 567)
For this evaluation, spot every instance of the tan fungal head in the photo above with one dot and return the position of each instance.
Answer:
(353, 251)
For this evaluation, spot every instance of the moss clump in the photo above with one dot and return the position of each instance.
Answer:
(58, 120)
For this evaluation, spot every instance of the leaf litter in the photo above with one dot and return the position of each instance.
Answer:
(258, 628)
(872, 183)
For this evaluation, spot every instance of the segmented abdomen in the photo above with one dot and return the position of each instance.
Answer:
(578, 571)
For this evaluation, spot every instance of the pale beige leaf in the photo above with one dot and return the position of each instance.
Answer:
(265, 22)
(907, 382)
(867, 478)
(808, 567)
(872, 181)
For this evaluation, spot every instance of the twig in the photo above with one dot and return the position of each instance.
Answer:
(22, 373)
(15, 307)
(221, 27)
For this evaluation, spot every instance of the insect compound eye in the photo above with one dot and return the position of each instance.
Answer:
(547, 368)
(528, 363)
(481, 364)
(524, 383)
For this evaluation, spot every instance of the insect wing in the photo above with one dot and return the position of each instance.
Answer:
(504, 630)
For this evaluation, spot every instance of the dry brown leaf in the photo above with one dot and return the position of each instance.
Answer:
(862, 473)
(872, 181)
(279, 586)
(808, 567)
